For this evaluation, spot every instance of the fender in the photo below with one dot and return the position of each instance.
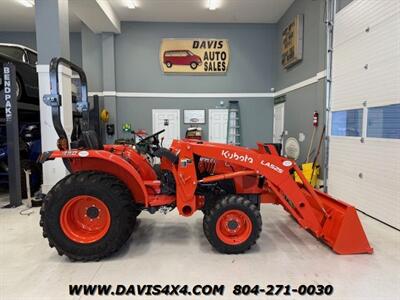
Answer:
(103, 161)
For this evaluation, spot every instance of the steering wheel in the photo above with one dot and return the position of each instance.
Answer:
(152, 136)
(150, 143)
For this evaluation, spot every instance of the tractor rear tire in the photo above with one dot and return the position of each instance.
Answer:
(88, 216)
(233, 225)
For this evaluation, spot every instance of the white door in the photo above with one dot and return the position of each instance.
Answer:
(168, 119)
(364, 143)
(279, 121)
(217, 125)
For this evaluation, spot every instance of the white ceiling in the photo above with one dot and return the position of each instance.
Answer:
(228, 11)
(16, 17)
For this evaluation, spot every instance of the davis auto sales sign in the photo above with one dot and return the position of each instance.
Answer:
(196, 56)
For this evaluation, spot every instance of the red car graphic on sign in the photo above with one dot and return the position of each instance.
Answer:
(181, 57)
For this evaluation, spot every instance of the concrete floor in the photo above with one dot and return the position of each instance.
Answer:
(172, 249)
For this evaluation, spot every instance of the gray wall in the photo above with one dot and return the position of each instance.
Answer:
(92, 58)
(257, 115)
(24, 38)
(52, 24)
(254, 67)
(92, 63)
(313, 41)
(301, 103)
(138, 69)
(299, 108)
(29, 39)
(75, 43)
(138, 66)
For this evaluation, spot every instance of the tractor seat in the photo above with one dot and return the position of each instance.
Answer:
(90, 140)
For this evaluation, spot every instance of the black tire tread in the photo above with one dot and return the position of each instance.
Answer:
(120, 193)
(210, 219)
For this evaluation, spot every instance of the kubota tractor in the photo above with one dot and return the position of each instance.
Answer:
(91, 213)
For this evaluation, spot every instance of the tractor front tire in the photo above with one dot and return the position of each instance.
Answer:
(88, 216)
(233, 225)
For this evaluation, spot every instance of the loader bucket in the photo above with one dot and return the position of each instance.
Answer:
(342, 230)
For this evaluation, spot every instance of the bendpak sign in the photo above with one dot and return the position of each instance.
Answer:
(196, 56)
(7, 92)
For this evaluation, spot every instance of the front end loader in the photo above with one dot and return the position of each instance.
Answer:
(91, 213)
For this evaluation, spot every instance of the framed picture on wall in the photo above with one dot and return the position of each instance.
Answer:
(194, 116)
(194, 56)
(292, 42)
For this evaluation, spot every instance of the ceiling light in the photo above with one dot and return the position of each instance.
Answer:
(27, 3)
(212, 4)
(130, 4)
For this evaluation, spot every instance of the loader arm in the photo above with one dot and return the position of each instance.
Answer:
(328, 219)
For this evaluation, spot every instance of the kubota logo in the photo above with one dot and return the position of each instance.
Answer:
(243, 158)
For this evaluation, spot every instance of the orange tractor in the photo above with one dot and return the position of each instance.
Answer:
(91, 213)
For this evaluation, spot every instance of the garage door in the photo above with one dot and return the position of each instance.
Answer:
(364, 161)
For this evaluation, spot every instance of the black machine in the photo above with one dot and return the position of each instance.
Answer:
(86, 124)
(78, 119)
(85, 135)
(24, 60)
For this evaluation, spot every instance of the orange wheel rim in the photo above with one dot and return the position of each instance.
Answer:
(234, 227)
(85, 219)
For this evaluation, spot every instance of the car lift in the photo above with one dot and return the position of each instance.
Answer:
(9, 97)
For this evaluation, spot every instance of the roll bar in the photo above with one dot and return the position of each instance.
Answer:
(54, 98)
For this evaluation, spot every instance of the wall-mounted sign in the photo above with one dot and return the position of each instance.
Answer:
(292, 42)
(196, 56)
(194, 116)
